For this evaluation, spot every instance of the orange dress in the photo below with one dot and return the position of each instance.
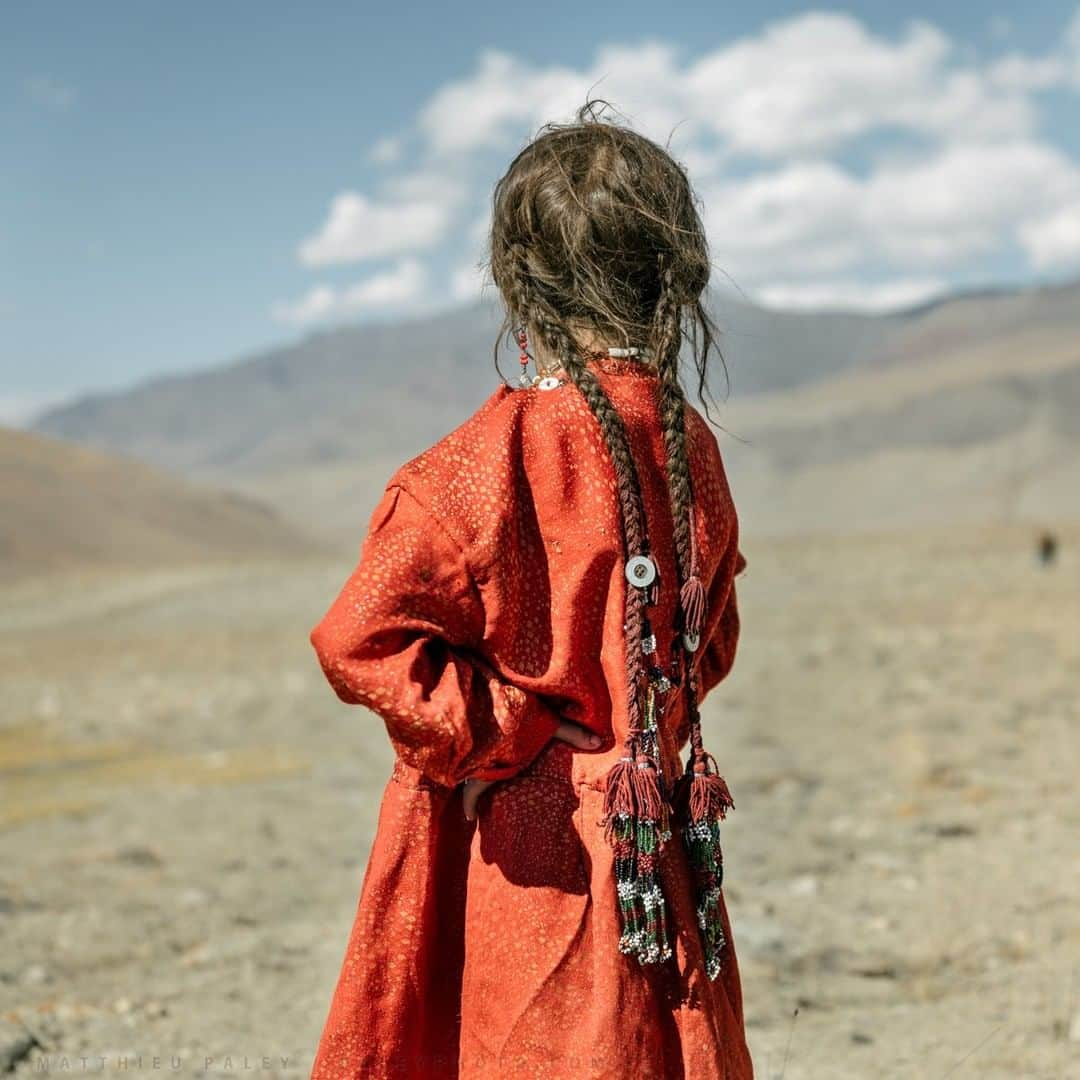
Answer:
(488, 603)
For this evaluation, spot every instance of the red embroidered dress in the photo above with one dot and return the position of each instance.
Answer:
(488, 602)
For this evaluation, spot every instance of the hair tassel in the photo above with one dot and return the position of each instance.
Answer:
(710, 798)
(636, 825)
(692, 599)
(650, 802)
(619, 791)
(702, 800)
(692, 594)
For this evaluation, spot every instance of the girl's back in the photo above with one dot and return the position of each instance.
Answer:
(566, 554)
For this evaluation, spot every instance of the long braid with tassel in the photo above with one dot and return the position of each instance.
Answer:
(701, 798)
(596, 227)
(636, 813)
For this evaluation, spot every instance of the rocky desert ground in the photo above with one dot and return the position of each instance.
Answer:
(187, 810)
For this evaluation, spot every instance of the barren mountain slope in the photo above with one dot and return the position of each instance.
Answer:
(65, 506)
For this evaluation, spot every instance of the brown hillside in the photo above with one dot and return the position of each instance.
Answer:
(65, 506)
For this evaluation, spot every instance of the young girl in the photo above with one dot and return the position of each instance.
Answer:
(543, 599)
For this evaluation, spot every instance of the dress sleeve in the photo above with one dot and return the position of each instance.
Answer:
(404, 638)
(718, 654)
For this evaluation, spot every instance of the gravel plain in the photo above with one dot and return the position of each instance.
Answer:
(187, 811)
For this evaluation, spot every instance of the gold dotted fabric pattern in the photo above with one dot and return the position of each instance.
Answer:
(486, 604)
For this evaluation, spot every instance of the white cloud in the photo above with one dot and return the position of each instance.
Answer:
(764, 123)
(1018, 72)
(818, 80)
(396, 288)
(965, 200)
(1053, 242)
(506, 99)
(502, 96)
(930, 214)
(405, 282)
(852, 295)
(359, 228)
(809, 83)
(1059, 67)
(801, 218)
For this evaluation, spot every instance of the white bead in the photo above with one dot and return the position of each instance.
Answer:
(691, 642)
(623, 352)
(641, 571)
(549, 383)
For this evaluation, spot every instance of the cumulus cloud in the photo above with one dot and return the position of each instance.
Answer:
(814, 82)
(819, 220)
(359, 228)
(1053, 242)
(503, 96)
(808, 83)
(395, 288)
(1060, 67)
(836, 165)
(963, 201)
(851, 294)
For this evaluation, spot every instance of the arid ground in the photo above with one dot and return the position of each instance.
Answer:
(187, 810)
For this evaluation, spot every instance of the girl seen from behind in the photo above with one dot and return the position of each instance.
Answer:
(543, 599)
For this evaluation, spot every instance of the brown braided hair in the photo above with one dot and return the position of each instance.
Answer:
(595, 231)
(595, 237)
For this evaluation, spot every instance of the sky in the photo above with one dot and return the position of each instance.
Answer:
(182, 185)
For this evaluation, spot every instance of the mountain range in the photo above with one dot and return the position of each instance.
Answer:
(963, 409)
(76, 508)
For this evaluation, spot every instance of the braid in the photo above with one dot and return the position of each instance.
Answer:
(633, 517)
(594, 226)
(553, 332)
(635, 808)
(702, 797)
(667, 337)
(555, 335)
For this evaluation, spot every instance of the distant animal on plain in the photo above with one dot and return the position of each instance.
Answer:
(1048, 548)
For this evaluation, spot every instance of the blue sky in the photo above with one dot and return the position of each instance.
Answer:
(184, 184)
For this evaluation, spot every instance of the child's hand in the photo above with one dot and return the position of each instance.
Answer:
(567, 731)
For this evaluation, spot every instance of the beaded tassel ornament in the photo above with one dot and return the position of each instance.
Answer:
(637, 815)
(701, 797)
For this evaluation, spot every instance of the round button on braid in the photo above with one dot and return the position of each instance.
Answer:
(641, 571)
